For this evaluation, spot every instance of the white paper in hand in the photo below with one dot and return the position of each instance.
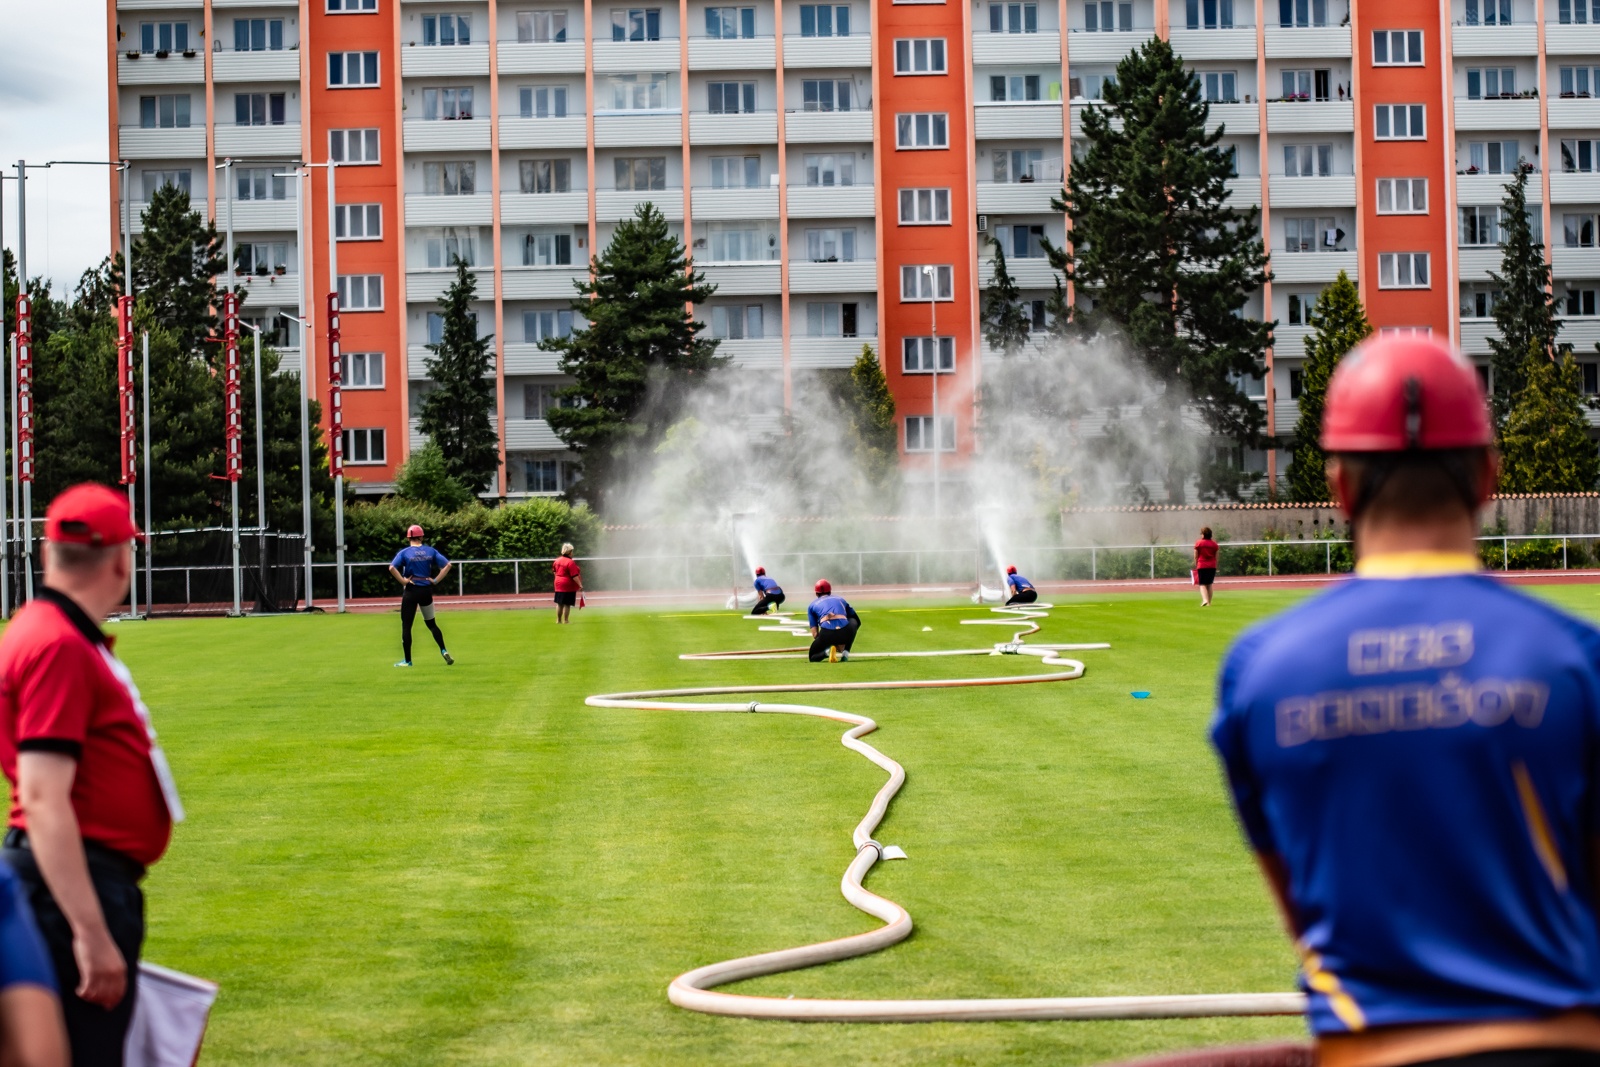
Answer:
(169, 1018)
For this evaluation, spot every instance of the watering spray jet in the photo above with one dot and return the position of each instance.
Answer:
(739, 547)
(990, 520)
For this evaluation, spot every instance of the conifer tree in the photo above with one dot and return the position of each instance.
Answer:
(1545, 445)
(870, 410)
(456, 410)
(1005, 325)
(1165, 257)
(176, 261)
(1525, 309)
(1338, 324)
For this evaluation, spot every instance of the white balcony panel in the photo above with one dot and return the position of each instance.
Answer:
(751, 53)
(289, 361)
(275, 290)
(852, 51)
(416, 365)
(1244, 192)
(759, 353)
(1581, 334)
(425, 210)
(832, 202)
(825, 127)
(523, 357)
(1520, 40)
(539, 283)
(185, 5)
(1574, 262)
(1570, 40)
(1017, 198)
(1237, 43)
(1338, 190)
(452, 61)
(1496, 114)
(279, 141)
(1289, 342)
(1238, 118)
(630, 57)
(743, 279)
(1309, 42)
(640, 129)
(282, 65)
(1020, 120)
(1565, 188)
(718, 204)
(824, 353)
(471, 135)
(214, 3)
(531, 435)
(1104, 47)
(427, 286)
(1475, 262)
(254, 215)
(1312, 266)
(542, 208)
(1475, 334)
(760, 127)
(1044, 47)
(540, 58)
(1574, 114)
(858, 277)
(569, 132)
(1285, 415)
(614, 205)
(1491, 188)
(136, 143)
(1031, 273)
(1304, 116)
(175, 69)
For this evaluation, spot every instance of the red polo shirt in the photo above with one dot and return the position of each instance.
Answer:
(567, 571)
(58, 694)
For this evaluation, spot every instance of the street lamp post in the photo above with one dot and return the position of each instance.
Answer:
(938, 357)
(261, 464)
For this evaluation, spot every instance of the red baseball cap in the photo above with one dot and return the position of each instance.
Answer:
(90, 514)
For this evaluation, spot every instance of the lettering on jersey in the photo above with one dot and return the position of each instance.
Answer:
(1411, 648)
(1443, 705)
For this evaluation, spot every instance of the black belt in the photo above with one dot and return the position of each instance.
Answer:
(93, 851)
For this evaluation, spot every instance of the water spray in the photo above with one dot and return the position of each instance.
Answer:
(990, 521)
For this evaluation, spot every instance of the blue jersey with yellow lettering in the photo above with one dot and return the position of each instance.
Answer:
(1421, 753)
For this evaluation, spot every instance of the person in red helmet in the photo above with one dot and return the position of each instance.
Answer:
(834, 625)
(768, 594)
(1021, 590)
(413, 567)
(1413, 753)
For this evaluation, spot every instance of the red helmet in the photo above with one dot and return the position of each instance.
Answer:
(1011, 569)
(415, 531)
(1396, 393)
(823, 587)
(760, 571)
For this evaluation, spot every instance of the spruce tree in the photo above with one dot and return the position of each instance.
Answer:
(1005, 325)
(456, 410)
(1545, 445)
(640, 355)
(872, 424)
(1165, 257)
(176, 262)
(1338, 324)
(1525, 309)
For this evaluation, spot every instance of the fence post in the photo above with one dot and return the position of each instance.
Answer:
(1328, 552)
(188, 597)
(1269, 559)
(860, 581)
(1505, 553)
(916, 567)
(461, 580)
(516, 577)
(1152, 561)
(630, 574)
(1563, 553)
(1094, 564)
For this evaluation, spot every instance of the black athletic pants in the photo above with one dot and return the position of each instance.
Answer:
(843, 637)
(413, 598)
(96, 1035)
(1520, 1057)
(1023, 596)
(766, 603)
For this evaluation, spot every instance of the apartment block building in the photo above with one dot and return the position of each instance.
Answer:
(837, 169)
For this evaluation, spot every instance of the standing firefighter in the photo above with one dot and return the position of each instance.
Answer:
(769, 596)
(834, 624)
(1413, 754)
(413, 568)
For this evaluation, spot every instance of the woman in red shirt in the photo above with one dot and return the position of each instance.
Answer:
(1205, 565)
(569, 583)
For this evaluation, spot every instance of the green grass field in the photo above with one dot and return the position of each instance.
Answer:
(466, 865)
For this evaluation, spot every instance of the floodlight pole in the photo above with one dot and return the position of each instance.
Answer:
(261, 463)
(149, 518)
(938, 356)
(24, 470)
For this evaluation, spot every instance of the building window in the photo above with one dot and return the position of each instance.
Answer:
(1396, 48)
(1479, 226)
(1038, 318)
(336, 7)
(1579, 157)
(1581, 302)
(1297, 384)
(1209, 14)
(825, 94)
(454, 102)
(261, 257)
(1311, 234)
(919, 55)
(1491, 83)
(542, 102)
(1479, 303)
(1105, 16)
(1492, 157)
(638, 92)
(538, 326)
(1577, 231)
(1403, 270)
(1021, 242)
(919, 433)
(739, 242)
(831, 246)
(1014, 88)
(261, 183)
(363, 370)
(735, 172)
(1399, 122)
(1402, 196)
(828, 319)
(363, 446)
(824, 20)
(1222, 87)
(360, 292)
(917, 354)
(641, 174)
(1014, 18)
(1299, 310)
(358, 222)
(547, 250)
(545, 175)
(450, 179)
(637, 24)
(1307, 160)
(731, 98)
(353, 146)
(730, 23)
(166, 36)
(827, 169)
(435, 323)
(1303, 85)
(446, 30)
(917, 286)
(352, 69)
(166, 112)
(1018, 165)
(1578, 81)
(258, 109)
(737, 323)
(1577, 11)
(1491, 12)
(928, 129)
(258, 35)
(541, 27)
(924, 207)
(542, 475)
(1591, 377)
(154, 180)
(1302, 14)
(1405, 331)
(1089, 86)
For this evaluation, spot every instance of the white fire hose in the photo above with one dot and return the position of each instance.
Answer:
(696, 989)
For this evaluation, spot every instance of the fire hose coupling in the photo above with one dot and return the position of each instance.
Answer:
(1008, 648)
(753, 705)
(870, 843)
(885, 852)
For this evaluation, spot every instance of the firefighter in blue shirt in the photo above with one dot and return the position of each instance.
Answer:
(1020, 589)
(413, 567)
(768, 595)
(834, 624)
(1413, 753)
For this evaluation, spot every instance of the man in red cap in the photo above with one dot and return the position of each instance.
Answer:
(413, 567)
(92, 799)
(1415, 753)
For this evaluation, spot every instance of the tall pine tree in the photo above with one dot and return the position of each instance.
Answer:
(1525, 309)
(1005, 325)
(641, 353)
(1338, 324)
(1545, 445)
(456, 410)
(175, 263)
(1164, 255)
(870, 409)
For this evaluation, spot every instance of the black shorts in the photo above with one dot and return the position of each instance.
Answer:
(566, 600)
(420, 595)
(1205, 575)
